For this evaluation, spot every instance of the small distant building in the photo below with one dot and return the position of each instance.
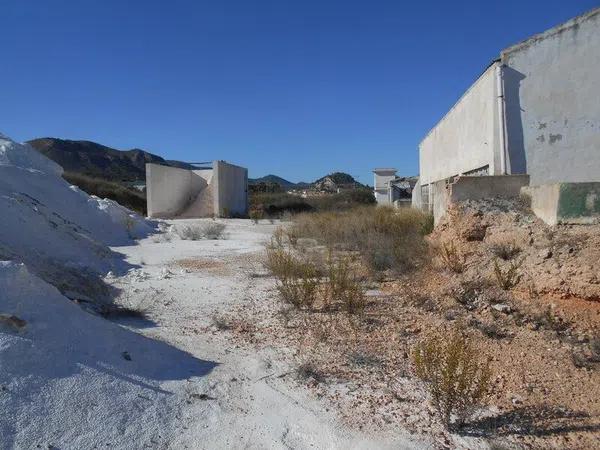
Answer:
(392, 190)
(381, 185)
(532, 118)
(219, 190)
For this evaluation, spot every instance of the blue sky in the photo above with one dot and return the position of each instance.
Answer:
(295, 88)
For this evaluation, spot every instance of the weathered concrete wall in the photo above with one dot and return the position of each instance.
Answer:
(577, 203)
(417, 202)
(544, 201)
(439, 195)
(475, 188)
(467, 138)
(552, 86)
(230, 185)
(170, 189)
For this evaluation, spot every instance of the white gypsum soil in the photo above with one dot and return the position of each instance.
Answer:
(249, 398)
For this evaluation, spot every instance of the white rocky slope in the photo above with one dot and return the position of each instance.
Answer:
(69, 379)
(57, 230)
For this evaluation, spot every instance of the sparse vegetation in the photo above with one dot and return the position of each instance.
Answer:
(342, 286)
(505, 250)
(385, 238)
(308, 371)
(452, 257)
(255, 214)
(301, 290)
(284, 264)
(131, 198)
(456, 377)
(549, 321)
(207, 230)
(507, 277)
(277, 204)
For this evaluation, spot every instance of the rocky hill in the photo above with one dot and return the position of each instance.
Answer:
(99, 161)
(274, 179)
(328, 183)
(335, 181)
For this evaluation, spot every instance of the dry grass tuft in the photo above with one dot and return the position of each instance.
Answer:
(505, 250)
(451, 257)
(507, 277)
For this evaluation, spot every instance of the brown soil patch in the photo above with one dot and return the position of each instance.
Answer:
(212, 266)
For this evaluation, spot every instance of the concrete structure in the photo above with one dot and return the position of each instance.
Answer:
(220, 191)
(565, 202)
(474, 187)
(390, 189)
(381, 185)
(533, 111)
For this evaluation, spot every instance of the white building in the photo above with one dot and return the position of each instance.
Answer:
(381, 185)
(534, 111)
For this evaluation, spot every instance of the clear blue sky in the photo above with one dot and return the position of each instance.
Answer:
(295, 88)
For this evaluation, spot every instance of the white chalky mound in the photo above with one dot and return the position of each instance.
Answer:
(48, 224)
(70, 379)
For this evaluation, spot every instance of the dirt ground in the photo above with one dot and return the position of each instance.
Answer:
(541, 336)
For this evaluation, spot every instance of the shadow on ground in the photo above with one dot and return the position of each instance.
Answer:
(538, 421)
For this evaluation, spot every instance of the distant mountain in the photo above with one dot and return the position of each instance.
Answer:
(99, 161)
(329, 183)
(285, 184)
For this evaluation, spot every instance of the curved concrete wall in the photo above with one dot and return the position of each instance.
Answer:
(169, 190)
(220, 192)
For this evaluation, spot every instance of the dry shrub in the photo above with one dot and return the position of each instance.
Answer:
(309, 370)
(452, 257)
(284, 264)
(284, 236)
(297, 279)
(507, 277)
(278, 238)
(255, 214)
(208, 230)
(505, 250)
(301, 290)
(385, 237)
(342, 286)
(456, 377)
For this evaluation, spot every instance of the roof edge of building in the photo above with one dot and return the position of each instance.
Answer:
(477, 80)
(575, 21)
